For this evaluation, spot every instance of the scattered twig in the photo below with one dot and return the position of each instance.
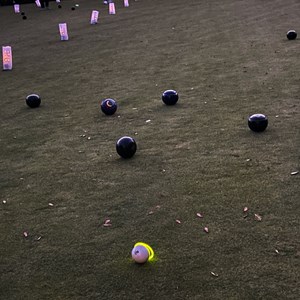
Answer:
(107, 223)
(257, 217)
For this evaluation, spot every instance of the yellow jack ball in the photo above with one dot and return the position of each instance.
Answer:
(142, 252)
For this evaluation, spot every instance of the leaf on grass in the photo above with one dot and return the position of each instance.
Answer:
(38, 238)
(178, 221)
(50, 204)
(107, 221)
(205, 229)
(214, 274)
(199, 215)
(245, 209)
(295, 173)
(25, 233)
(157, 206)
(257, 217)
(276, 251)
(107, 225)
(147, 121)
(150, 212)
(4, 201)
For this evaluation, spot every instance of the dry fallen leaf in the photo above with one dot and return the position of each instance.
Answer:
(295, 173)
(107, 225)
(4, 201)
(214, 274)
(107, 221)
(178, 221)
(205, 229)
(150, 212)
(25, 233)
(245, 209)
(38, 238)
(276, 251)
(50, 204)
(257, 217)
(199, 215)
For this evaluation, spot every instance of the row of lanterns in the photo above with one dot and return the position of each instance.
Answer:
(63, 30)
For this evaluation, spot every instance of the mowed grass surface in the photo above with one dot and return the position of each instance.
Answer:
(227, 59)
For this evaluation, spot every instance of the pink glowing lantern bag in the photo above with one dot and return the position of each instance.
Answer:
(7, 58)
(63, 30)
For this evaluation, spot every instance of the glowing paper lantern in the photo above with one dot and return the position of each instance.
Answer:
(126, 3)
(17, 8)
(63, 30)
(111, 8)
(94, 17)
(38, 3)
(57, 1)
(7, 58)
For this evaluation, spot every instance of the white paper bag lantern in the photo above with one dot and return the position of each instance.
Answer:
(94, 17)
(7, 58)
(38, 3)
(63, 30)
(111, 8)
(57, 1)
(126, 3)
(17, 8)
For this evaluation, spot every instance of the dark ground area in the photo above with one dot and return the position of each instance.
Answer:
(61, 178)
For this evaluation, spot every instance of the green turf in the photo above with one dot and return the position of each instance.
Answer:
(227, 59)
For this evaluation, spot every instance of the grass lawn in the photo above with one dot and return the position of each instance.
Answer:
(61, 177)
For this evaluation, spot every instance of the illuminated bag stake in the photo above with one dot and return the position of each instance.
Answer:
(7, 58)
(63, 30)
(111, 9)
(94, 17)
(126, 3)
(17, 8)
(38, 3)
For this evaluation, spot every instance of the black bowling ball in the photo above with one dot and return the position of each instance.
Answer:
(258, 122)
(22, 14)
(126, 147)
(291, 34)
(33, 100)
(170, 97)
(59, 6)
(24, 18)
(73, 8)
(109, 106)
